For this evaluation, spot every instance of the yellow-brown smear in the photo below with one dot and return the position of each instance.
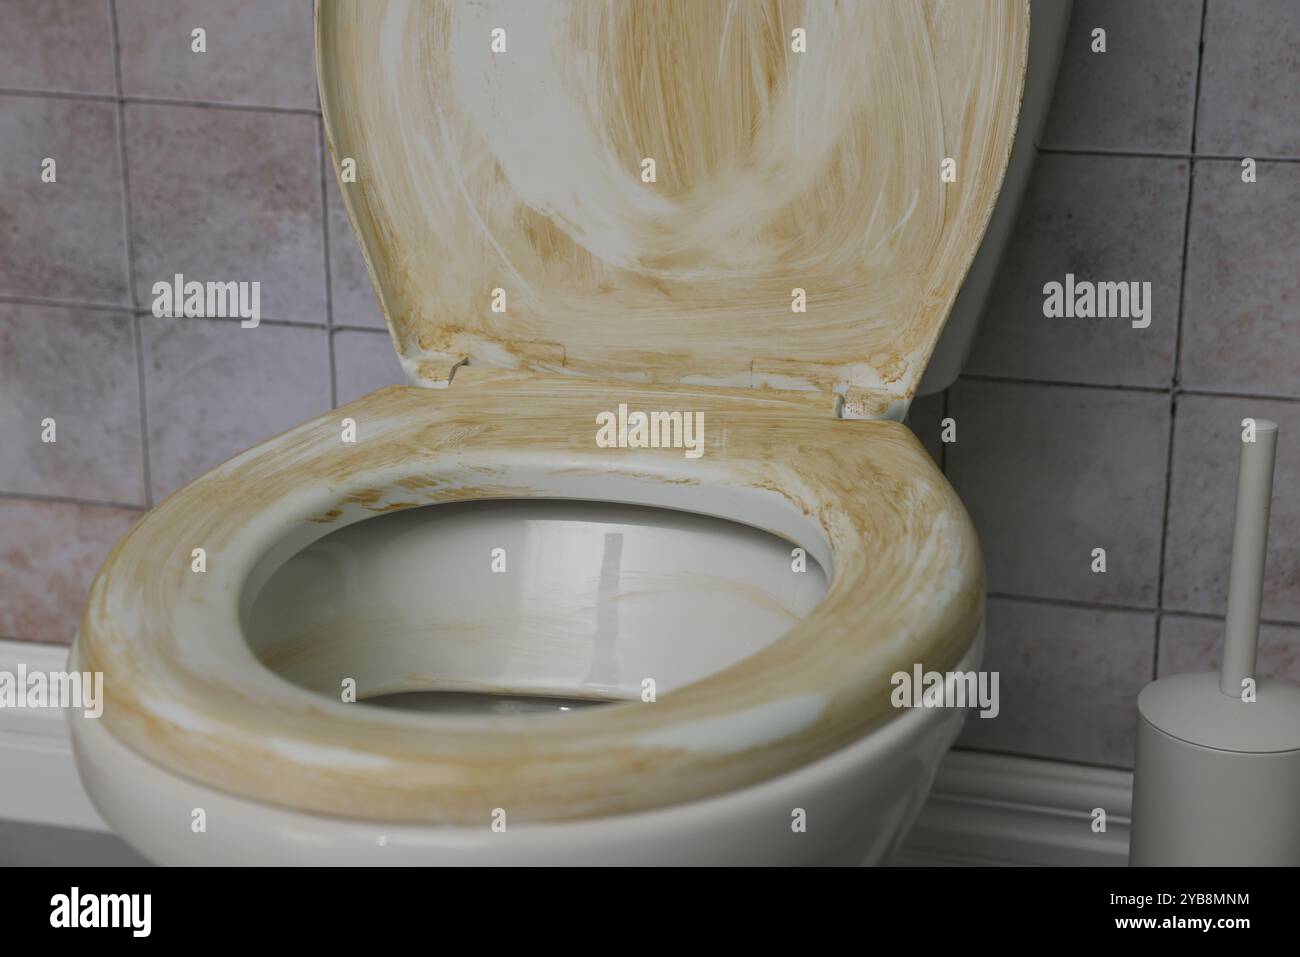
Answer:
(819, 170)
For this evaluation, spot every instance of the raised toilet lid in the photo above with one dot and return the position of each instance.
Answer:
(740, 194)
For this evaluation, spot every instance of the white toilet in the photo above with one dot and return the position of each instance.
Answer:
(625, 576)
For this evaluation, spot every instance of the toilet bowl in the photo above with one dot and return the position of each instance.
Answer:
(626, 574)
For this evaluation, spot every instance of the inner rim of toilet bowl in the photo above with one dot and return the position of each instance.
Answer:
(527, 606)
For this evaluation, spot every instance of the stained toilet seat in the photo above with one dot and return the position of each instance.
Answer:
(184, 690)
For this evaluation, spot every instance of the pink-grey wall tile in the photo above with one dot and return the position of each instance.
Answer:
(78, 368)
(229, 195)
(1138, 94)
(354, 300)
(1102, 218)
(1241, 325)
(57, 45)
(1250, 79)
(214, 389)
(925, 419)
(364, 362)
(1068, 681)
(1051, 472)
(258, 53)
(1203, 493)
(66, 239)
(49, 553)
(1196, 644)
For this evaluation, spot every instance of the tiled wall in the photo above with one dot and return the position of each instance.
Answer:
(1071, 434)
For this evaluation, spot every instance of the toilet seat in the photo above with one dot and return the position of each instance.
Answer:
(183, 689)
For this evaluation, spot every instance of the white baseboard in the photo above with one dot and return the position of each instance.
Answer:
(1001, 809)
(40, 783)
(984, 808)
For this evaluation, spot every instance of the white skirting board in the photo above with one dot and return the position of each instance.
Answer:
(38, 778)
(1002, 809)
(984, 808)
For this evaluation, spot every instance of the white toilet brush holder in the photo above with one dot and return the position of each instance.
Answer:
(1217, 775)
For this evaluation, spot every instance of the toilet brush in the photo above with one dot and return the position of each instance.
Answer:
(1217, 775)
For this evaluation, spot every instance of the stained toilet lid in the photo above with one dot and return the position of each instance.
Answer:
(780, 194)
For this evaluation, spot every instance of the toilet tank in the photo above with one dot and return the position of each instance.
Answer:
(1048, 21)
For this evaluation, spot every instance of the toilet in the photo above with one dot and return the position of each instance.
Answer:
(626, 573)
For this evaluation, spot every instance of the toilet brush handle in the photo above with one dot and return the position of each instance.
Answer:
(1249, 546)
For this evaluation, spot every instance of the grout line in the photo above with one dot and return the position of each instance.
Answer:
(1074, 603)
(1132, 609)
(137, 334)
(213, 105)
(137, 338)
(126, 309)
(1196, 90)
(1211, 616)
(1221, 158)
(59, 95)
(1118, 154)
(234, 320)
(1169, 494)
(69, 500)
(119, 97)
(346, 328)
(1155, 648)
(1176, 381)
(1141, 154)
(329, 278)
(1106, 387)
(1149, 389)
(1218, 394)
(1135, 609)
